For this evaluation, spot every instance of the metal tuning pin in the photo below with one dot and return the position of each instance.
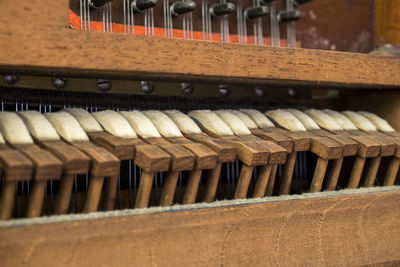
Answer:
(98, 3)
(256, 12)
(142, 5)
(300, 2)
(218, 10)
(289, 16)
(182, 7)
(265, 2)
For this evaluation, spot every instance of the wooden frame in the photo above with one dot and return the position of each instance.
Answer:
(352, 228)
(35, 39)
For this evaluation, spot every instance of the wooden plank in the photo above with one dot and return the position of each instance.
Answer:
(35, 39)
(335, 230)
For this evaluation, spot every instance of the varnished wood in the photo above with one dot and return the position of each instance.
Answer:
(333, 175)
(168, 191)
(121, 148)
(262, 181)
(64, 194)
(370, 176)
(201, 233)
(391, 172)
(7, 200)
(319, 174)
(286, 181)
(212, 183)
(243, 182)
(35, 204)
(271, 181)
(143, 196)
(192, 186)
(356, 172)
(45, 24)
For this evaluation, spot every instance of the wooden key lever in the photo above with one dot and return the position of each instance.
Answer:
(119, 138)
(15, 167)
(103, 163)
(225, 151)
(181, 158)
(325, 148)
(250, 153)
(293, 142)
(205, 158)
(277, 155)
(45, 165)
(74, 161)
(344, 130)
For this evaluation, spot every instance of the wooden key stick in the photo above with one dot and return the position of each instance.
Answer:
(388, 133)
(312, 123)
(249, 152)
(206, 158)
(46, 166)
(225, 151)
(323, 147)
(181, 158)
(15, 167)
(120, 139)
(291, 141)
(238, 122)
(366, 146)
(74, 161)
(387, 144)
(103, 163)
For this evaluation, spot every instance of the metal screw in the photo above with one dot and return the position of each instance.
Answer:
(146, 87)
(259, 91)
(224, 89)
(291, 92)
(103, 85)
(10, 79)
(187, 88)
(59, 82)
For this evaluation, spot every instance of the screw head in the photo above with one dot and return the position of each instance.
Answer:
(259, 91)
(146, 87)
(104, 85)
(187, 88)
(224, 90)
(291, 92)
(10, 79)
(59, 82)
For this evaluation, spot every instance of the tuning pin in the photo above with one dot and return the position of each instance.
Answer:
(142, 5)
(182, 7)
(289, 16)
(218, 10)
(256, 12)
(301, 2)
(265, 2)
(98, 3)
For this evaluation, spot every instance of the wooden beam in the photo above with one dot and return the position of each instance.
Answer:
(352, 229)
(35, 39)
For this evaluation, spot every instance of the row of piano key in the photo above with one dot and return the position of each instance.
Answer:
(178, 158)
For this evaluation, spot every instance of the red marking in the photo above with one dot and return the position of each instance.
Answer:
(75, 23)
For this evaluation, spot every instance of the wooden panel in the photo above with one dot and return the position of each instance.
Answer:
(35, 39)
(340, 230)
(387, 22)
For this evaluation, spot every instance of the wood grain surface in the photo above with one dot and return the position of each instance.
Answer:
(41, 43)
(341, 230)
